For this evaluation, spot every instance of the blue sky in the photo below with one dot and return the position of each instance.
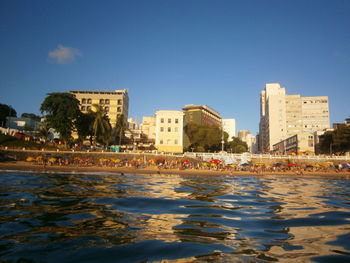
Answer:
(171, 53)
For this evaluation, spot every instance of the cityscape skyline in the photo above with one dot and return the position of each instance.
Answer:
(174, 53)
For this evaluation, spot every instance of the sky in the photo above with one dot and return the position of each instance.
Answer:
(170, 53)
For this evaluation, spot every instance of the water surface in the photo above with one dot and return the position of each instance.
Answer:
(109, 217)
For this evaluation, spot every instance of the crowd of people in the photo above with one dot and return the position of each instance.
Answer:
(188, 164)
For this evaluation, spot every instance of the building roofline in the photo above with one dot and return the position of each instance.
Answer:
(201, 107)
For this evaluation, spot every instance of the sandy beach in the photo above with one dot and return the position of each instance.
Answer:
(153, 170)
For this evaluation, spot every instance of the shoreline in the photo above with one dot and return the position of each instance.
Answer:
(25, 166)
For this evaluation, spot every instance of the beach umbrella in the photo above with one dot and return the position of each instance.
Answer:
(244, 164)
(30, 159)
(278, 164)
(292, 164)
(233, 165)
(215, 161)
(186, 161)
(345, 165)
(259, 164)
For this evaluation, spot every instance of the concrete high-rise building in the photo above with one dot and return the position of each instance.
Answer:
(272, 126)
(169, 131)
(282, 115)
(114, 103)
(229, 126)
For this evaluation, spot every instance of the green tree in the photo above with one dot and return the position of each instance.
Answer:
(62, 111)
(84, 124)
(237, 145)
(44, 132)
(101, 126)
(201, 137)
(6, 111)
(337, 141)
(119, 130)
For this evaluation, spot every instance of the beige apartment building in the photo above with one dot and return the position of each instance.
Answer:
(148, 128)
(114, 103)
(282, 115)
(300, 143)
(169, 131)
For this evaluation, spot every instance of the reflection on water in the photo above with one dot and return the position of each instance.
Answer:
(144, 218)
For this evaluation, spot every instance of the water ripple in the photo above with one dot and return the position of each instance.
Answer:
(139, 218)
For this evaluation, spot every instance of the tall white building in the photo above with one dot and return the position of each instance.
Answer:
(282, 115)
(229, 126)
(169, 131)
(247, 137)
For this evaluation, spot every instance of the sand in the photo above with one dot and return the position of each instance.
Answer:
(27, 166)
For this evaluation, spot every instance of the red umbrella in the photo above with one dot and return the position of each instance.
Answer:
(292, 164)
(216, 161)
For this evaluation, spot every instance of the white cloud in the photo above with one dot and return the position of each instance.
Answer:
(64, 55)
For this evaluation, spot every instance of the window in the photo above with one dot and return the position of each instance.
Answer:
(119, 109)
(161, 142)
(176, 120)
(169, 129)
(119, 102)
(161, 120)
(176, 129)
(102, 101)
(175, 141)
(83, 107)
(89, 101)
(106, 109)
(169, 120)
(83, 101)
(106, 101)
(88, 108)
(161, 129)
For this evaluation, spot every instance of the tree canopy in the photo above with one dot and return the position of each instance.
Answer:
(6, 111)
(204, 138)
(237, 145)
(62, 111)
(337, 141)
(84, 124)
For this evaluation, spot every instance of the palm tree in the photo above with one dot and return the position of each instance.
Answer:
(119, 130)
(44, 132)
(101, 126)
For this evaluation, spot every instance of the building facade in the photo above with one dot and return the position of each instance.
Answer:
(229, 126)
(148, 128)
(282, 115)
(22, 123)
(298, 144)
(248, 138)
(202, 115)
(114, 103)
(169, 131)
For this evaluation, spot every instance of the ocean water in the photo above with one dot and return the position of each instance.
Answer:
(112, 217)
